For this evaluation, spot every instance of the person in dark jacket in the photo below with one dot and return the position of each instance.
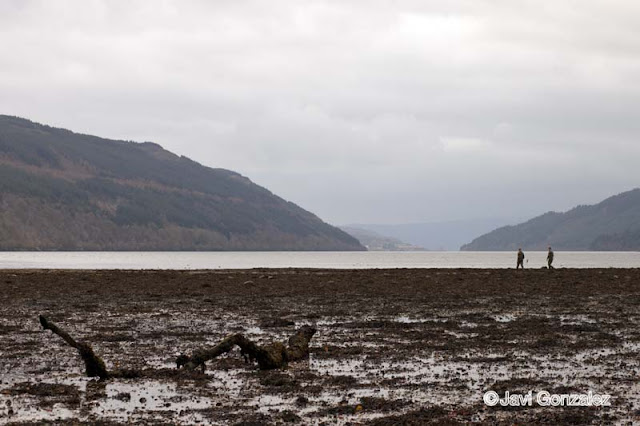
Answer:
(520, 263)
(550, 258)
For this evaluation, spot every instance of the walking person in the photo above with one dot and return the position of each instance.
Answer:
(520, 263)
(550, 258)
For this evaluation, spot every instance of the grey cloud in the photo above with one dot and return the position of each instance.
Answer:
(380, 111)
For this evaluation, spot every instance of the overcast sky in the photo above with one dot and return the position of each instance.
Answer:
(360, 111)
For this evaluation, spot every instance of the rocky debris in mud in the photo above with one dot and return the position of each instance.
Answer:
(288, 416)
(276, 322)
(518, 385)
(302, 401)
(275, 379)
(341, 381)
(366, 404)
(123, 396)
(331, 351)
(424, 416)
(48, 394)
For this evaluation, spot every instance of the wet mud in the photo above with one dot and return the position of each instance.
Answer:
(402, 346)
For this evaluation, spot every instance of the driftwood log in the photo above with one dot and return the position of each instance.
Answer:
(94, 365)
(273, 355)
(270, 356)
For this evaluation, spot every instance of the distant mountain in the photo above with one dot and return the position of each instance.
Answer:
(449, 235)
(65, 191)
(376, 242)
(624, 241)
(613, 224)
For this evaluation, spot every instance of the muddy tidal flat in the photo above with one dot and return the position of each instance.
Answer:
(397, 346)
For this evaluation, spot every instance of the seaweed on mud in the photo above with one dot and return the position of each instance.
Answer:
(332, 351)
(228, 363)
(277, 379)
(557, 416)
(423, 416)
(112, 338)
(365, 405)
(276, 323)
(374, 324)
(518, 385)
(289, 416)
(383, 405)
(302, 401)
(482, 359)
(43, 389)
(48, 393)
(341, 381)
(254, 419)
(435, 339)
(6, 329)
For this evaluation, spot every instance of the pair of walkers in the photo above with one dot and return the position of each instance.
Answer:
(520, 263)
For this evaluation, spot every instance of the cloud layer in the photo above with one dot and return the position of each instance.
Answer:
(377, 111)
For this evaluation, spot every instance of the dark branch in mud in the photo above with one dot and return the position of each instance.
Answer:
(268, 357)
(94, 365)
(273, 355)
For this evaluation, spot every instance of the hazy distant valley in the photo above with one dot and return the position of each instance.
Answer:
(447, 236)
(374, 241)
(611, 225)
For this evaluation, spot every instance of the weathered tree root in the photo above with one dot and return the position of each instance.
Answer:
(94, 365)
(274, 355)
(268, 357)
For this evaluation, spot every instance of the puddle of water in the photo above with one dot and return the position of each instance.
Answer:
(266, 403)
(574, 319)
(504, 318)
(461, 335)
(254, 330)
(123, 399)
(409, 320)
(26, 409)
(229, 382)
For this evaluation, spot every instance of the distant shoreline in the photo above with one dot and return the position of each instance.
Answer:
(201, 260)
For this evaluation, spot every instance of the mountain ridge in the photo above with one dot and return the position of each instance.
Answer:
(612, 224)
(61, 190)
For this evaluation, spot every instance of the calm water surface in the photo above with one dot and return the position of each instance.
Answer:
(336, 260)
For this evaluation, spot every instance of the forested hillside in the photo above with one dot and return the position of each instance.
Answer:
(613, 224)
(65, 191)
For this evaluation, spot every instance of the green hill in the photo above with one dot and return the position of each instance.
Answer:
(61, 190)
(613, 224)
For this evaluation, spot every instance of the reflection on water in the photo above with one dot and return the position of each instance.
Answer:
(337, 260)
